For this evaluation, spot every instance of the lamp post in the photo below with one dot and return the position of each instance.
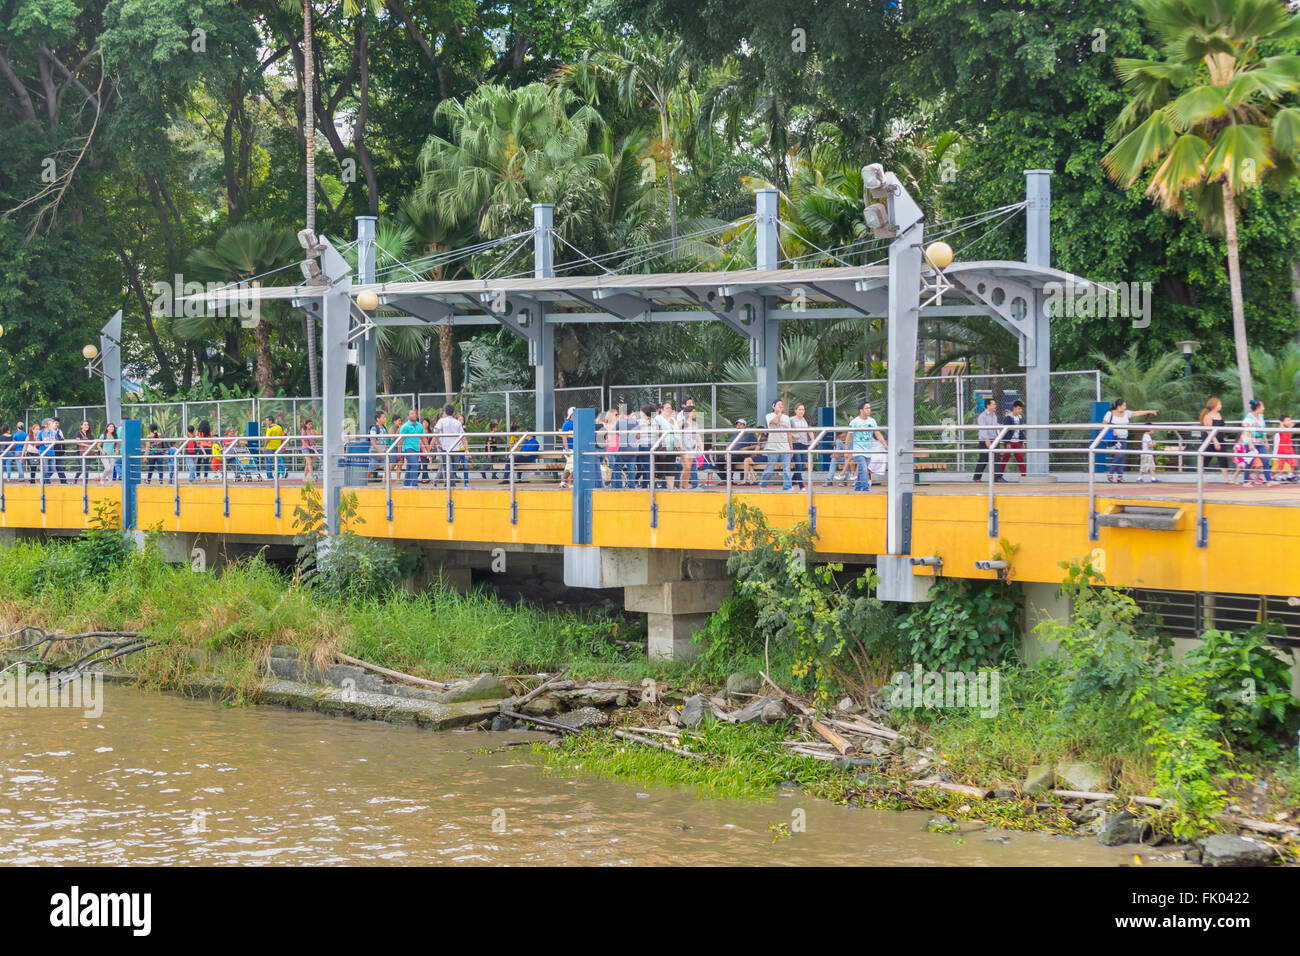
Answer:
(1189, 348)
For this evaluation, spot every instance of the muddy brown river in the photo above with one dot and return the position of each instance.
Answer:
(158, 779)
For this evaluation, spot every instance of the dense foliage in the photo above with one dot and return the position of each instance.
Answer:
(151, 138)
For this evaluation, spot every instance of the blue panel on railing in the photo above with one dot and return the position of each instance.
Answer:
(586, 472)
(132, 448)
(1102, 459)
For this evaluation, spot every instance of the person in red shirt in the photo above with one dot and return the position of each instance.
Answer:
(1284, 457)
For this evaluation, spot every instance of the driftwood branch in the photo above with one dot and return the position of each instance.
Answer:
(549, 725)
(539, 689)
(623, 734)
(975, 793)
(396, 675)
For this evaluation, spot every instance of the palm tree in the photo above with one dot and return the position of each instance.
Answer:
(241, 252)
(656, 70)
(1276, 381)
(427, 230)
(507, 149)
(1161, 385)
(1210, 113)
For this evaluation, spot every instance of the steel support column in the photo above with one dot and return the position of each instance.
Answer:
(541, 345)
(1038, 366)
(765, 346)
(333, 307)
(367, 351)
(900, 404)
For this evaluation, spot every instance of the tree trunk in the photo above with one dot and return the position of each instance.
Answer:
(446, 352)
(672, 188)
(262, 359)
(1234, 287)
(309, 130)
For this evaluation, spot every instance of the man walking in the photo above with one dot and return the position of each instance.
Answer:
(450, 433)
(778, 445)
(412, 429)
(988, 422)
(274, 439)
(1015, 439)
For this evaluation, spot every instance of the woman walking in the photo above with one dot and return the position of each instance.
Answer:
(1211, 420)
(1259, 444)
(692, 444)
(1120, 444)
(109, 449)
(85, 447)
(800, 438)
(308, 449)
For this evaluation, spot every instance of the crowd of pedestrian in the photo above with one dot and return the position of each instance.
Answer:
(632, 445)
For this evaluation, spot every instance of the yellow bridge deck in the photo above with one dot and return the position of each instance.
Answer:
(1253, 545)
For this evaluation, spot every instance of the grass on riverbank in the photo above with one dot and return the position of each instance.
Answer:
(238, 614)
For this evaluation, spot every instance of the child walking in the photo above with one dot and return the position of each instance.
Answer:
(1284, 458)
(1147, 463)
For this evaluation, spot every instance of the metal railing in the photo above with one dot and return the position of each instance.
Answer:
(656, 459)
(690, 448)
(363, 452)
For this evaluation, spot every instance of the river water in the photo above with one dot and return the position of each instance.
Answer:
(158, 779)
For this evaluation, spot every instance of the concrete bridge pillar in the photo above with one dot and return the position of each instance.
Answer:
(677, 593)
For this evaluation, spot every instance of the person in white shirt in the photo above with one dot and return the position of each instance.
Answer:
(450, 432)
(777, 448)
(1118, 418)
(1147, 463)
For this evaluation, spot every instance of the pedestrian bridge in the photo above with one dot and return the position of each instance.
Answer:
(1191, 533)
(1253, 545)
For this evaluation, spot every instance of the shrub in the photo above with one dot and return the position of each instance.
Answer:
(1248, 680)
(967, 625)
(347, 564)
(806, 612)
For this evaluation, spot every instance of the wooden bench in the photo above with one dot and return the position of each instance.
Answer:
(920, 467)
(543, 461)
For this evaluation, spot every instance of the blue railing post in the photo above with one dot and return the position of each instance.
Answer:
(132, 448)
(586, 472)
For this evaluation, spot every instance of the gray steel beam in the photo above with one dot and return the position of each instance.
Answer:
(541, 347)
(903, 321)
(1038, 364)
(110, 351)
(765, 346)
(367, 347)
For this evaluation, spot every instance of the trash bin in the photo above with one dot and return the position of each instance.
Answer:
(356, 464)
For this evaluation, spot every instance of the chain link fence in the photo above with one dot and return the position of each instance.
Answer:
(940, 400)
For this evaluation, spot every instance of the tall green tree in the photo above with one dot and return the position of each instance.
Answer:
(241, 253)
(1216, 117)
(650, 71)
(507, 149)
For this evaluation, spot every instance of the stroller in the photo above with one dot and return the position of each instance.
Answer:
(245, 464)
